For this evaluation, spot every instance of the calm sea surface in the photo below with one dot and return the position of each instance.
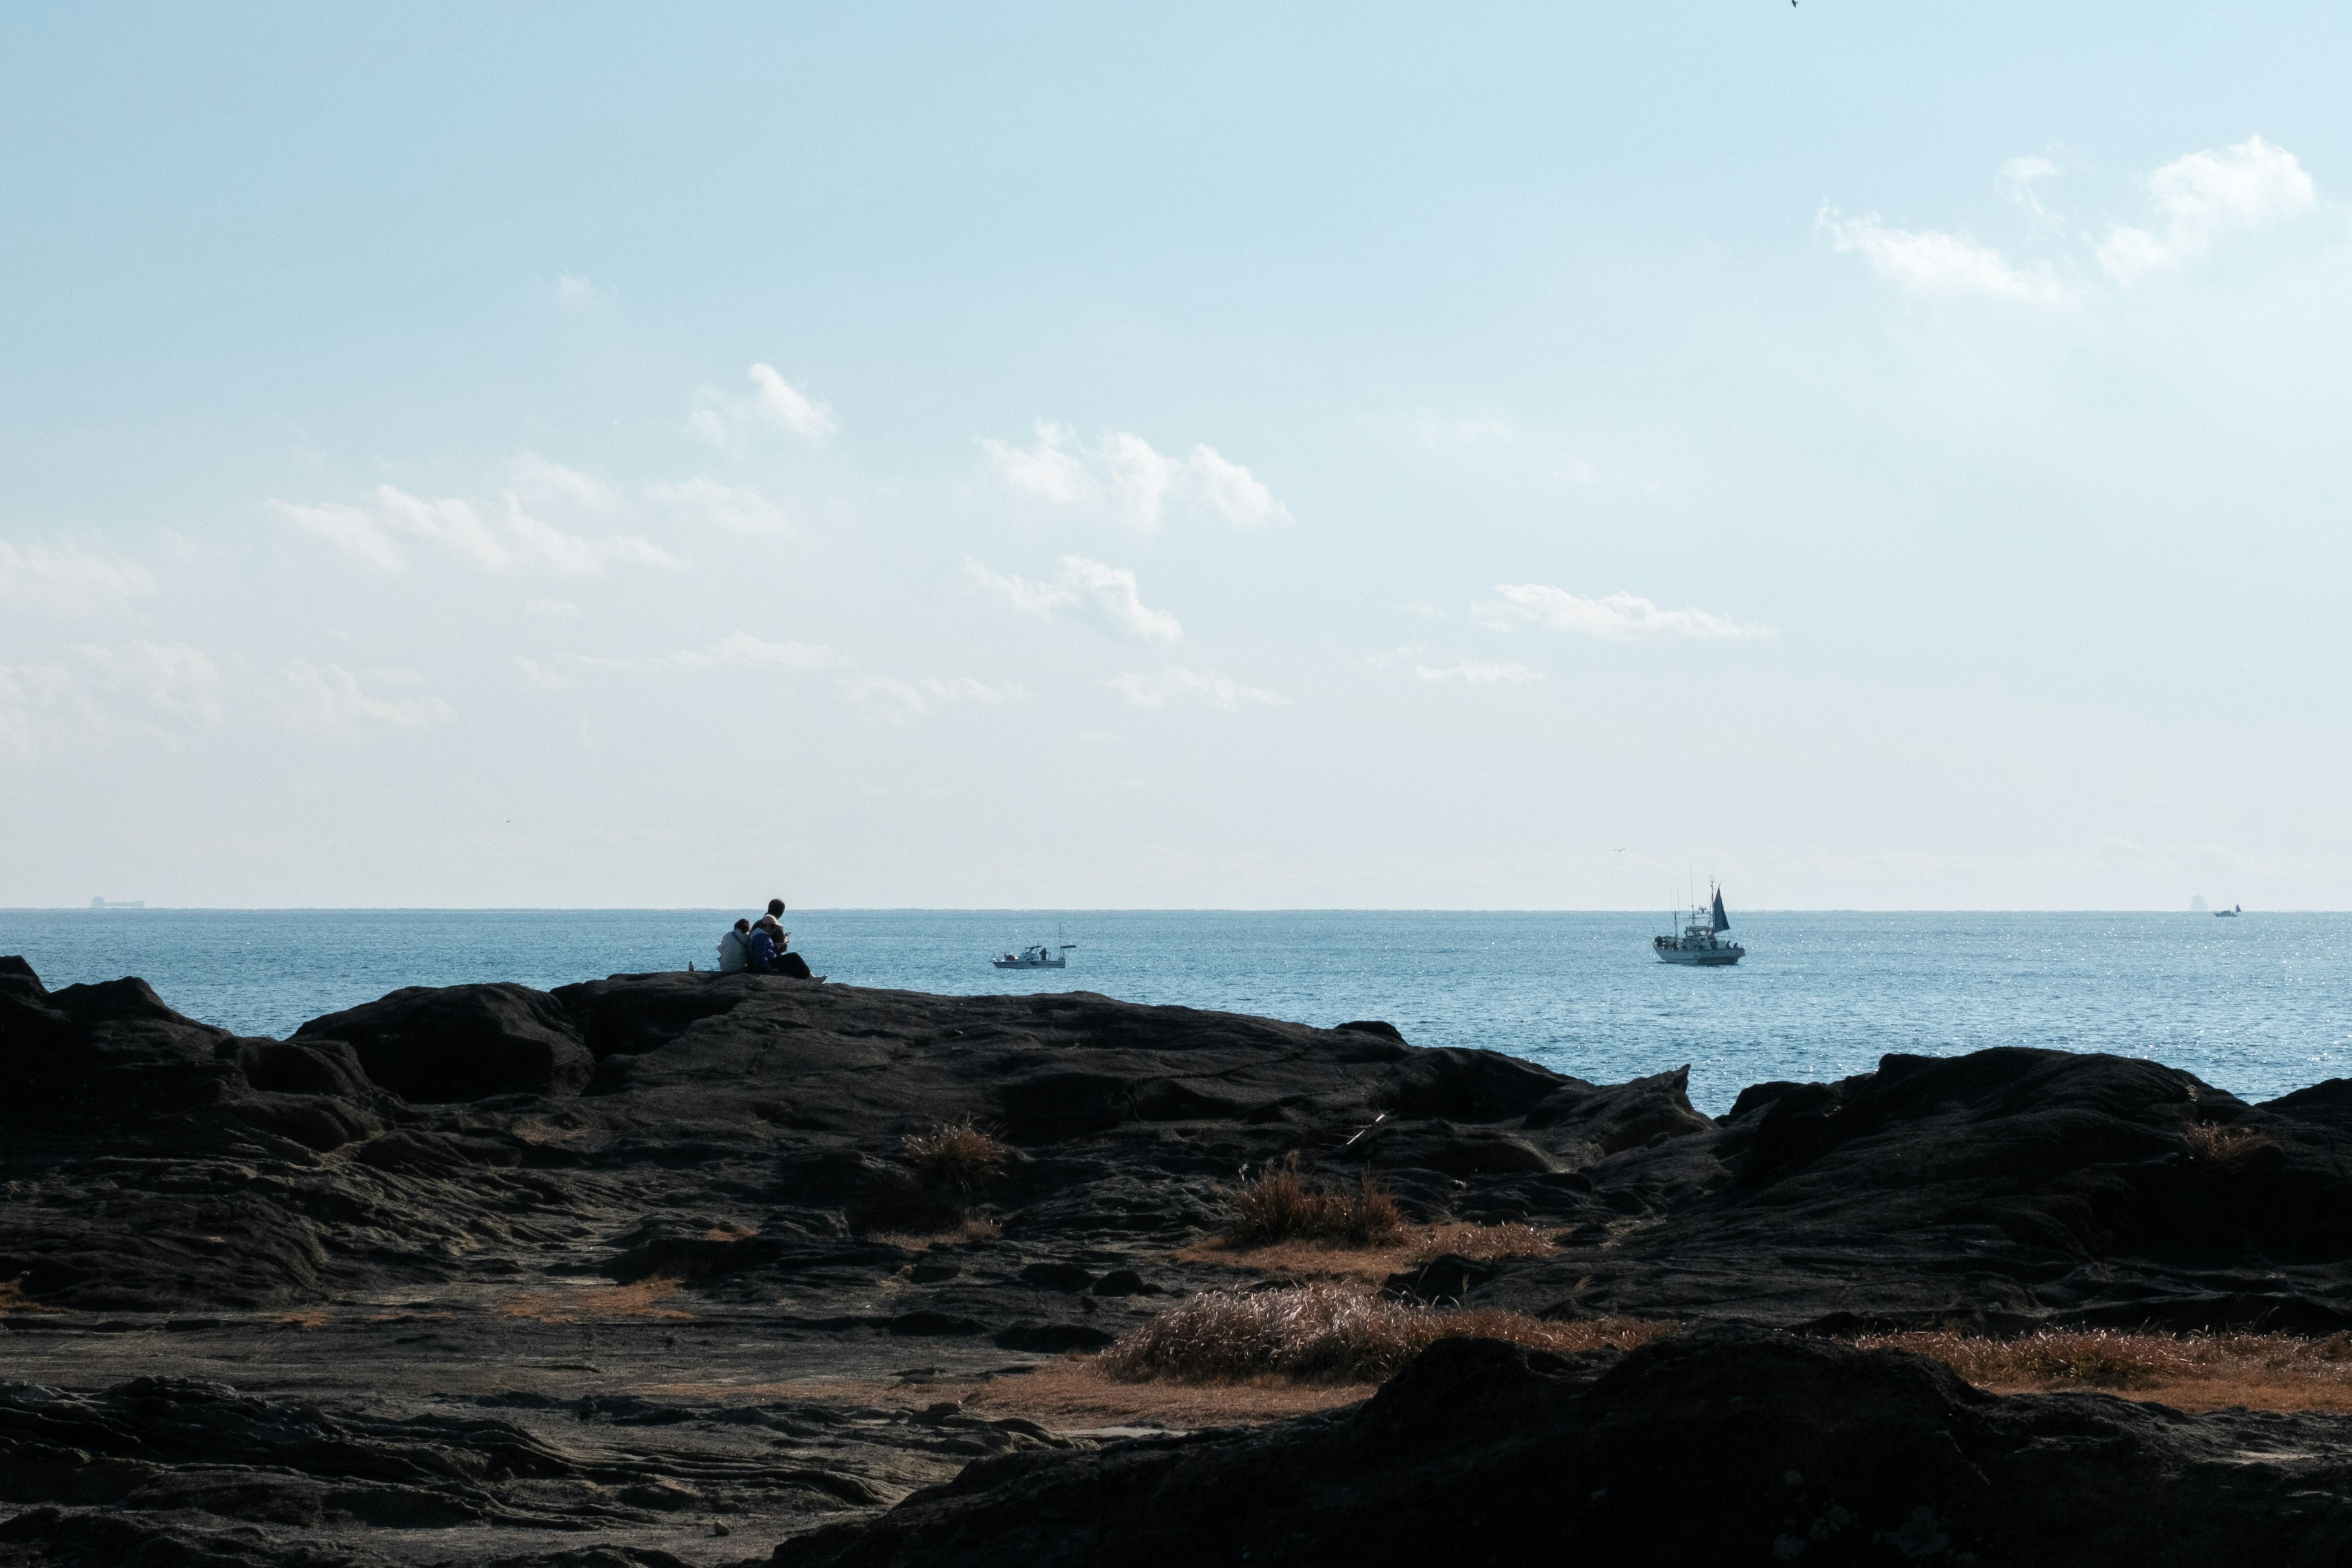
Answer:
(2259, 1005)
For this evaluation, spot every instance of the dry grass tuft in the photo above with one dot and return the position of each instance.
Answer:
(591, 1301)
(971, 1227)
(13, 1300)
(2195, 1372)
(2224, 1146)
(1327, 1334)
(1479, 1243)
(1281, 1204)
(308, 1319)
(957, 1154)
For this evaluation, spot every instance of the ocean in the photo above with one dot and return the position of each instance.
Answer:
(2258, 1005)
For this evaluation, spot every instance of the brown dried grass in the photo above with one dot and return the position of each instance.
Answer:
(1479, 1243)
(2193, 1372)
(971, 1227)
(13, 1300)
(2224, 1146)
(956, 1153)
(1323, 1333)
(1281, 1204)
(308, 1320)
(587, 1302)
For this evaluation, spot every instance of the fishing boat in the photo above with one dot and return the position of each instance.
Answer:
(1037, 955)
(1701, 942)
(2232, 912)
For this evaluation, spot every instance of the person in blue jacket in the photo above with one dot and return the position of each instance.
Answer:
(768, 953)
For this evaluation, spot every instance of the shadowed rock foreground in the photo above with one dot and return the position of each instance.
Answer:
(646, 1268)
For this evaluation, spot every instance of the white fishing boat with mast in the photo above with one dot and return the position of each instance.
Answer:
(1037, 955)
(1702, 941)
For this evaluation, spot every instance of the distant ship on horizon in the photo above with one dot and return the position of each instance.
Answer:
(118, 903)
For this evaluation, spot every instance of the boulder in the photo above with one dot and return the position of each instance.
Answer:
(461, 1043)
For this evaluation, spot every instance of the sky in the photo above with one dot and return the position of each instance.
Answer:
(1215, 456)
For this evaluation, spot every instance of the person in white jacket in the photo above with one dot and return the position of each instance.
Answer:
(735, 949)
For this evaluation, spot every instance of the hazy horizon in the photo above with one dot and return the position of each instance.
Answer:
(1058, 457)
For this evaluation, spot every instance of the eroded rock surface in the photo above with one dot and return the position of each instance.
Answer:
(1717, 1447)
(545, 1250)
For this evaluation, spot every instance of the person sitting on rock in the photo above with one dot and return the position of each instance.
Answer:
(735, 949)
(768, 954)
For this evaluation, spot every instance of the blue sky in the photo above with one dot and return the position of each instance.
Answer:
(1103, 457)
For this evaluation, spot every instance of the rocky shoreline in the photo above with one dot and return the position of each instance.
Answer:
(648, 1270)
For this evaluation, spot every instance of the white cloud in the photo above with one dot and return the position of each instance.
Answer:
(1474, 672)
(1932, 262)
(174, 678)
(2018, 178)
(373, 532)
(576, 293)
(27, 693)
(1227, 489)
(1176, 684)
(538, 675)
(67, 580)
(2205, 195)
(893, 701)
(534, 478)
(736, 507)
(1461, 435)
(774, 402)
(1129, 480)
(1049, 471)
(1106, 595)
(788, 408)
(1415, 658)
(741, 650)
(1613, 616)
(550, 609)
(328, 701)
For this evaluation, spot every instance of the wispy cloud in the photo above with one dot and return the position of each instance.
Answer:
(1613, 618)
(1935, 263)
(67, 579)
(2196, 199)
(887, 698)
(2203, 196)
(502, 537)
(1088, 590)
(1176, 684)
(774, 403)
(741, 650)
(892, 700)
(174, 679)
(1124, 478)
(738, 509)
(1414, 656)
(28, 694)
(577, 293)
(328, 701)
(1443, 434)
(2021, 179)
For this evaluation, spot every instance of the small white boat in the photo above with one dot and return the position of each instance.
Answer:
(1701, 942)
(1036, 955)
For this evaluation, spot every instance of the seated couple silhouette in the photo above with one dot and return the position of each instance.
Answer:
(758, 946)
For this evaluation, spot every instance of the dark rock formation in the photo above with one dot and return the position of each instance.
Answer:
(409, 1212)
(467, 1042)
(1716, 1449)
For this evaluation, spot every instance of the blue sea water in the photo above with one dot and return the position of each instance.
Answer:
(2258, 1005)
